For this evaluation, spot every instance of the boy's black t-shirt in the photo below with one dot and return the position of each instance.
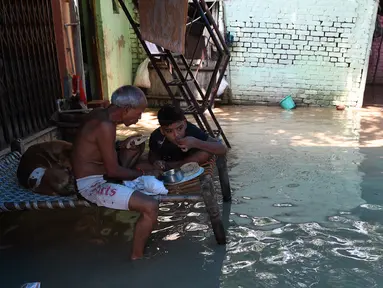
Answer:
(169, 151)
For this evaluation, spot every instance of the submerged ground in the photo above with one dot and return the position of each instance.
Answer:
(307, 211)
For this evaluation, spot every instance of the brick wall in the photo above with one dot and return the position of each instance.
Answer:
(315, 50)
(138, 53)
(376, 63)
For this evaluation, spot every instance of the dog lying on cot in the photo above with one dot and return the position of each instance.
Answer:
(45, 169)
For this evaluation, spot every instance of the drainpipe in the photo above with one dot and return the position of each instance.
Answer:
(75, 24)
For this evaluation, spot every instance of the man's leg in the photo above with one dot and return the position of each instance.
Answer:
(148, 207)
(116, 196)
(128, 158)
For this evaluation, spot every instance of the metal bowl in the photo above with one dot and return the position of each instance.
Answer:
(173, 176)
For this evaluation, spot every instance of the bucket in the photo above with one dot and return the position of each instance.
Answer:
(287, 103)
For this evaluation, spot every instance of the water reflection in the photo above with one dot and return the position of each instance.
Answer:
(304, 179)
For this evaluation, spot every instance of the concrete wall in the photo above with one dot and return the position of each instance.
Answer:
(115, 48)
(316, 50)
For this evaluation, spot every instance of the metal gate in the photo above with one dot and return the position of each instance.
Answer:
(29, 75)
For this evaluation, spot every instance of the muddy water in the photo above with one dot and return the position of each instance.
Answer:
(307, 208)
(307, 211)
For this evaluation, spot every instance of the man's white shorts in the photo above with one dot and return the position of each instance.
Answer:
(96, 190)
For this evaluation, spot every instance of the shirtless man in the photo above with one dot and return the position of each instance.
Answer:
(95, 161)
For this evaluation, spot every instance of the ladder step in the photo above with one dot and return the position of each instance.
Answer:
(188, 112)
(164, 54)
(178, 82)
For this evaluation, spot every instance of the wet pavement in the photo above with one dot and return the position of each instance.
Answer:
(307, 211)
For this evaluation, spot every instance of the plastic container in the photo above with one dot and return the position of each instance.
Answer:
(287, 103)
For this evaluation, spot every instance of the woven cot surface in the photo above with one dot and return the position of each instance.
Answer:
(15, 197)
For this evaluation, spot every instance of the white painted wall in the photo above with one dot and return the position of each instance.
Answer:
(315, 50)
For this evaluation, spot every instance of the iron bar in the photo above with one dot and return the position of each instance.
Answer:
(219, 127)
(207, 19)
(151, 57)
(192, 75)
(207, 22)
(180, 80)
(215, 27)
(189, 92)
(29, 76)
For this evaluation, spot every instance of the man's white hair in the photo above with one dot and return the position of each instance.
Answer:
(128, 97)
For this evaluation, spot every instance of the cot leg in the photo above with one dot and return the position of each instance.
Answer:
(224, 178)
(212, 208)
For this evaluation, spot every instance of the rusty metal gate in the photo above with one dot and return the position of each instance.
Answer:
(29, 75)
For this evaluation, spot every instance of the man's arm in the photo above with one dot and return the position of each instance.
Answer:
(206, 150)
(106, 143)
(211, 146)
(200, 157)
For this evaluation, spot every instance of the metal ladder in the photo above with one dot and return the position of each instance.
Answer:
(182, 81)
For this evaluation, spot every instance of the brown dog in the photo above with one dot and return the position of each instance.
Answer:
(45, 169)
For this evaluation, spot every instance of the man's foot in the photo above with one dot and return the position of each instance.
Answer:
(136, 257)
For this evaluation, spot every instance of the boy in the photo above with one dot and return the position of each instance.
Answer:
(178, 141)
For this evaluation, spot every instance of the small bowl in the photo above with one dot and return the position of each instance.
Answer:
(173, 176)
(340, 107)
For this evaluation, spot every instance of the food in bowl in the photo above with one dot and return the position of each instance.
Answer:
(190, 168)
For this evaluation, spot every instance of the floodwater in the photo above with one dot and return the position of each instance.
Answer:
(307, 211)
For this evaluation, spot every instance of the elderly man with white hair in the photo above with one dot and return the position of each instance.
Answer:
(100, 170)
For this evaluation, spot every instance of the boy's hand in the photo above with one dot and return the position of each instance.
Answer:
(187, 143)
(156, 173)
(159, 164)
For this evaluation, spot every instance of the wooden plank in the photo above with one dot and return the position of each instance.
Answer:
(163, 22)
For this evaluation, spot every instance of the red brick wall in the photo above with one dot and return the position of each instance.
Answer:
(374, 64)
